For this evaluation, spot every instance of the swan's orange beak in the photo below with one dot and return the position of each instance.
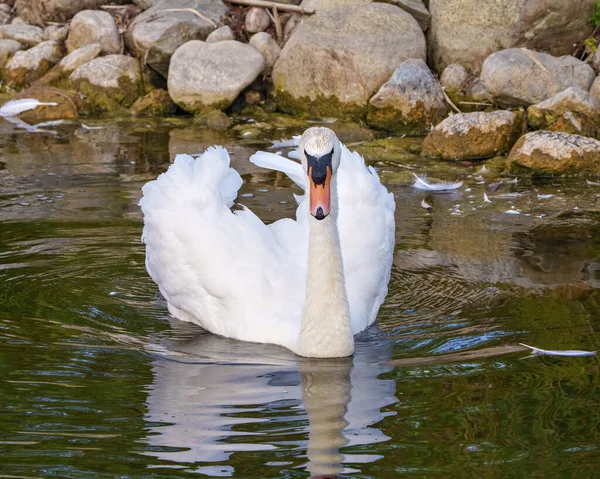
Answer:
(320, 195)
(319, 176)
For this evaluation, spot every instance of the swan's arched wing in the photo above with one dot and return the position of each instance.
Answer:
(367, 236)
(221, 269)
(366, 224)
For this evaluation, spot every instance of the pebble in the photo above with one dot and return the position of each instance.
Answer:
(283, 202)
(51, 174)
(24, 204)
(264, 190)
(247, 195)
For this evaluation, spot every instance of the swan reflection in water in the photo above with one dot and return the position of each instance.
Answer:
(215, 397)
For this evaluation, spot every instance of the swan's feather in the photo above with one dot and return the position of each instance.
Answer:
(237, 277)
(422, 184)
(16, 107)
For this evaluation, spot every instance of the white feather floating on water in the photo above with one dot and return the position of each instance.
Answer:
(485, 198)
(85, 127)
(423, 184)
(558, 352)
(286, 143)
(592, 183)
(16, 107)
(425, 205)
(483, 170)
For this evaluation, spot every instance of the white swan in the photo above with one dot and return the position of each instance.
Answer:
(308, 285)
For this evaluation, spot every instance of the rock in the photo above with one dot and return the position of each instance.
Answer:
(291, 25)
(18, 21)
(213, 118)
(514, 78)
(571, 99)
(455, 80)
(26, 35)
(257, 20)
(267, 46)
(68, 104)
(322, 5)
(5, 14)
(109, 82)
(576, 124)
(595, 89)
(144, 4)
(156, 103)
(252, 97)
(474, 135)
(40, 12)
(409, 102)
(336, 60)
(212, 74)
(57, 33)
(94, 26)
(8, 48)
(467, 31)
(220, 35)
(555, 153)
(79, 57)
(478, 92)
(416, 9)
(155, 34)
(27, 66)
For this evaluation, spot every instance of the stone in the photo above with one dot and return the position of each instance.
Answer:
(474, 135)
(252, 97)
(291, 25)
(468, 31)
(155, 34)
(18, 21)
(409, 102)
(5, 14)
(26, 35)
(572, 99)
(57, 33)
(267, 46)
(68, 104)
(514, 78)
(576, 124)
(337, 59)
(549, 153)
(79, 57)
(109, 82)
(8, 48)
(455, 80)
(212, 74)
(322, 5)
(27, 66)
(416, 8)
(257, 20)
(39, 12)
(595, 89)
(94, 26)
(156, 103)
(213, 118)
(220, 34)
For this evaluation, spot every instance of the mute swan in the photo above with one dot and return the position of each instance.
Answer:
(308, 285)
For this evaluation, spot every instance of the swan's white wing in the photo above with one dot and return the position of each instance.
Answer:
(221, 269)
(367, 236)
(366, 224)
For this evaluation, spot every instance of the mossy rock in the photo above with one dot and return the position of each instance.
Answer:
(156, 103)
(68, 104)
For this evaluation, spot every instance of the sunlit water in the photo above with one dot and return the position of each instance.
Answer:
(97, 381)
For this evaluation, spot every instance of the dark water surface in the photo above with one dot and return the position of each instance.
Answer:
(96, 381)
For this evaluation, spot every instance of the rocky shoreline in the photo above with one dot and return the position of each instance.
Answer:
(473, 80)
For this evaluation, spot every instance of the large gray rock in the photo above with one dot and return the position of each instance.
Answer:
(8, 48)
(514, 78)
(570, 100)
(595, 89)
(27, 66)
(60, 11)
(94, 26)
(79, 57)
(336, 60)
(156, 33)
(57, 33)
(26, 35)
(267, 46)
(109, 82)
(416, 8)
(467, 31)
(212, 75)
(474, 135)
(409, 102)
(545, 153)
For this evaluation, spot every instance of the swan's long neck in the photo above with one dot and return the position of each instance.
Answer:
(326, 329)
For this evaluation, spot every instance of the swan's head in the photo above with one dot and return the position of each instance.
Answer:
(320, 153)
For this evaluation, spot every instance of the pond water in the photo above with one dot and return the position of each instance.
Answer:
(97, 381)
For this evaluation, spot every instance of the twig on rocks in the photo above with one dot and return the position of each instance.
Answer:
(191, 10)
(450, 101)
(476, 103)
(282, 7)
(535, 60)
(278, 29)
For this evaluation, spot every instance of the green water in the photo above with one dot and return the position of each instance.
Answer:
(96, 381)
